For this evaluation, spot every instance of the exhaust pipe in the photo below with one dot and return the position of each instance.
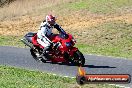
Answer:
(27, 43)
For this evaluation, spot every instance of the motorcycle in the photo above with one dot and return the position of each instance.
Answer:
(62, 50)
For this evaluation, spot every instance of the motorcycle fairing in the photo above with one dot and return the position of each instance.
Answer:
(34, 41)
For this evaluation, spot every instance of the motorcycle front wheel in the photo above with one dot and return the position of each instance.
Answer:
(78, 59)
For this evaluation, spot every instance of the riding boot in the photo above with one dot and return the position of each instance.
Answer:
(46, 50)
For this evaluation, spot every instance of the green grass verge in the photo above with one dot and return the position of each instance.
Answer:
(112, 38)
(19, 78)
(11, 41)
(96, 6)
(105, 50)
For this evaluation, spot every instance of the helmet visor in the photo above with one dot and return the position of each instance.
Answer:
(52, 21)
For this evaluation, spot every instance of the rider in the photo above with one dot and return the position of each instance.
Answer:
(45, 32)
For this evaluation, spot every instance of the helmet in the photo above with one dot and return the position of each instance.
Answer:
(50, 20)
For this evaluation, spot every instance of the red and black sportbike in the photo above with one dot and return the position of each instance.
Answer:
(62, 50)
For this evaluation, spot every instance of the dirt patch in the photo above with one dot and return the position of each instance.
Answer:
(19, 26)
(76, 23)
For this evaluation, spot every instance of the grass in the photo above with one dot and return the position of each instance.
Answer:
(112, 39)
(77, 5)
(105, 50)
(41, 7)
(99, 6)
(23, 7)
(11, 41)
(19, 78)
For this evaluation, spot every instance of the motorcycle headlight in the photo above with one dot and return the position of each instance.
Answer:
(68, 44)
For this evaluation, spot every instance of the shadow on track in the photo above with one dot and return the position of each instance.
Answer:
(88, 66)
(93, 66)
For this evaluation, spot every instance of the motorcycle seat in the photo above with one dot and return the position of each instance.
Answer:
(30, 34)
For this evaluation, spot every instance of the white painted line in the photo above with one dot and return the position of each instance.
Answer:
(105, 56)
(119, 86)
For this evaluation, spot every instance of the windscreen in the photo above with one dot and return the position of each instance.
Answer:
(63, 35)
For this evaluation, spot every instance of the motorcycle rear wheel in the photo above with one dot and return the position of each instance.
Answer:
(34, 55)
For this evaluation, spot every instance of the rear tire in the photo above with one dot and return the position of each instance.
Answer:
(78, 59)
(34, 55)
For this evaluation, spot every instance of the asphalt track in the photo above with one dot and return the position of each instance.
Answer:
(20, 57)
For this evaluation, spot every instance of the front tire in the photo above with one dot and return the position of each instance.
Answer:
(78, 59)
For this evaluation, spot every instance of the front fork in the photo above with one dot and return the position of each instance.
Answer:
(72, 51)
